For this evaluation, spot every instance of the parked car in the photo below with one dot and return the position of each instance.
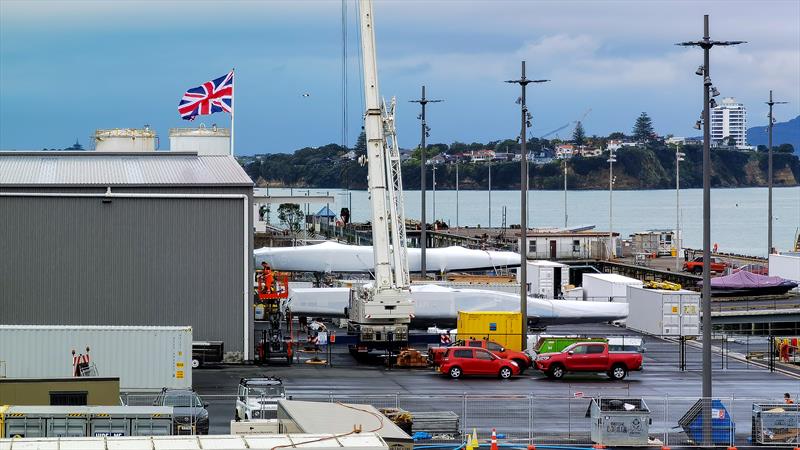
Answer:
(696, 265)
(257, 398)
(459, 361)
(190, 415)
(435, 354)
(589, 357)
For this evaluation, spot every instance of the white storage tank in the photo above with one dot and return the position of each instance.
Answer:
(143, 358)
(125, 140)
(663, 312)
(785, 265)
(607, 287)
(546, 279)
(202, 140)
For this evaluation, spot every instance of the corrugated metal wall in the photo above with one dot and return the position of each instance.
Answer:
(133, 261)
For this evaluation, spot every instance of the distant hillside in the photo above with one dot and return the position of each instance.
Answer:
(782, 133)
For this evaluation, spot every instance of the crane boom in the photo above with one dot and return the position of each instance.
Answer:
(379, 314)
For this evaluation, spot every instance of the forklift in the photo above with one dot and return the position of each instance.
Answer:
(272, 288)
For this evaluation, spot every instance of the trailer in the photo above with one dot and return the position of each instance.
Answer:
(143, 358)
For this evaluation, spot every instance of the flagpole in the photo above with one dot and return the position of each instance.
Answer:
(233, 104)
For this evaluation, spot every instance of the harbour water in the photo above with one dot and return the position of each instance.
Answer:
(738, 216)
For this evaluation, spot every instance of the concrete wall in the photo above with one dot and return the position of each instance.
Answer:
(36, 391)
(130, 261)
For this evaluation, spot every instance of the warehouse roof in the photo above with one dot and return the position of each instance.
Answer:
(119, 169)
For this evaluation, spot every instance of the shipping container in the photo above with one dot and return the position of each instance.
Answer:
(546, 279)
(785, 265)
(504, 328)
(143, 358)
(82, 421)
(607, 287)
(662, 312)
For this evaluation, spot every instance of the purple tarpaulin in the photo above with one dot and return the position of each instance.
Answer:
(744, 280)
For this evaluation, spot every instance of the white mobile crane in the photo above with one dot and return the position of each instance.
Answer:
(379, 313)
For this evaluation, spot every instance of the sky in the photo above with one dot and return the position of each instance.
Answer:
(70, 67)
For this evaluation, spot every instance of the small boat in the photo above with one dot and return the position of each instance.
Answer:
(744, 283)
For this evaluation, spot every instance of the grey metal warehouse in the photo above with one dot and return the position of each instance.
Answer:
(158, 238)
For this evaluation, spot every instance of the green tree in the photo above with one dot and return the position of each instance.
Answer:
(361, 144)
(579, 135)
(643, 128)
(291, 216)
(617, 135)
(784, 148)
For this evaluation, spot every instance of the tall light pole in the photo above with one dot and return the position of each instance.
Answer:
(771, 103)
(678, 158)
(565, 191)
(456, 192)
(523, 222)
(490, 193)
(433, 185)
(424, 225)
(706, 43)
(611, 160)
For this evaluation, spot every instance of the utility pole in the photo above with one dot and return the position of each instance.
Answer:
(706, 43)
(425, 133)
(678, 158)
(611, 161)
(769, 173)
(523, 228)
(433, 185)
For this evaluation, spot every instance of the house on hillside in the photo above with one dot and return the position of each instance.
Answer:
(437, 160)
(565, 151)
(351, 155)
(484, 155)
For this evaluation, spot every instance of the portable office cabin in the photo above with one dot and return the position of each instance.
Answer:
(158, 238)
(546, 279)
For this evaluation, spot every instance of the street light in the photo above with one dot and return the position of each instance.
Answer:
(425, 133)
(433, 185)
(523, 220)
(769, 173)
(611, 160)
(706, 44)
(678, 158)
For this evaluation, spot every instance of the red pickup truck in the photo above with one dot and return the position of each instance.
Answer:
(524, 361)
(589, 357)
(696, 265)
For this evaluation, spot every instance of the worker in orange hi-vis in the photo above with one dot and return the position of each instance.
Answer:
(269, 280)
(788, 399)
(784, 350)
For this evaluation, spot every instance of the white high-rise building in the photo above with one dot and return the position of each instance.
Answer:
(729, 124)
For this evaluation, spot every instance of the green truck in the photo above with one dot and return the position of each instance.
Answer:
(554, 344)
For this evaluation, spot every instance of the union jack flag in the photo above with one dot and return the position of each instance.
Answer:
(212, 96)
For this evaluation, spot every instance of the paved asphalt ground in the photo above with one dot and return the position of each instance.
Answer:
(514, 405)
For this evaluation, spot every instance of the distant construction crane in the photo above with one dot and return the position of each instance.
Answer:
(573, 123)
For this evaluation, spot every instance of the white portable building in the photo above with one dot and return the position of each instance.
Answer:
(607, 287)
(785, 265)
(663, 312)
(546, 279)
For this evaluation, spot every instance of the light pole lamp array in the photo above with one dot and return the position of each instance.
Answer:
(523, 223)
(771, 103)
(706, 44)
(423, 101)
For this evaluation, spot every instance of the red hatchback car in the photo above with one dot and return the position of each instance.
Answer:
(460, 361)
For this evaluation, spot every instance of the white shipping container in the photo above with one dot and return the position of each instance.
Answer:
(662, 312)
(786, 265)
(144, 358)
(607, 287)
(546, 278)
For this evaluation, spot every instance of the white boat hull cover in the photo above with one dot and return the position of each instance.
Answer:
(438, 304)
(330, 257)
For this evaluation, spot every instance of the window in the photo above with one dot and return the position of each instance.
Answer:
(484, 355)
(67, 398)
(462, 354)
(494, 347)
(475, 344)
(595, 349)
(579, 349)
(576, 245)
(532, 246)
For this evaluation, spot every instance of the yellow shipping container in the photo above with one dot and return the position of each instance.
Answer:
(505, 328)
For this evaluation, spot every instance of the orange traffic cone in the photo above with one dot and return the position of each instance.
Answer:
(494, 439)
